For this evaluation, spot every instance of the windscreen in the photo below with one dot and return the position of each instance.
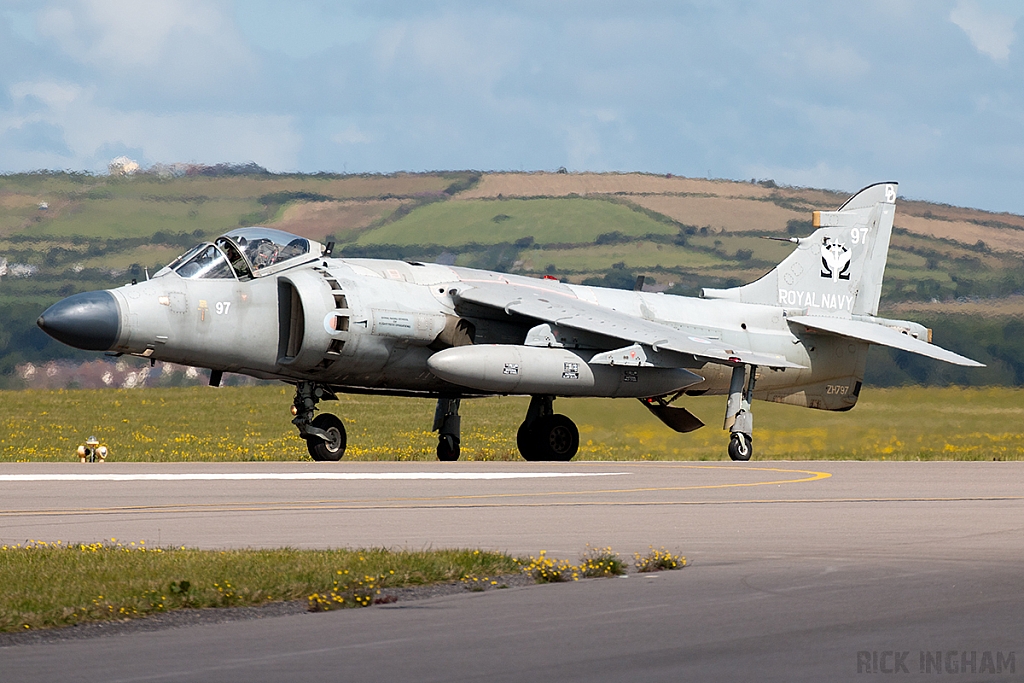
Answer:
(208, 262)
(243, 253)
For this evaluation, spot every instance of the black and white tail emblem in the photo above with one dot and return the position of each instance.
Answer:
(835, 260)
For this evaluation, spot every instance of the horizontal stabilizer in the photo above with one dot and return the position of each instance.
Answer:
(883, 336)
(677, 419)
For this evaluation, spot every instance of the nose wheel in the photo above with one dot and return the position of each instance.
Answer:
(324, 434)
(333, 447)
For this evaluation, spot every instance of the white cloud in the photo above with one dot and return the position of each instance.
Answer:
(352, 135)
(266, 139)
(172, 49)
(991, 32)
(808, 93)
(56, 96)
(302, 30)
(583, 147)
(137, 32)
(22, 22)
(822, 174)
(91, 129)
(834, 60)
(469, 54)
(603, 115)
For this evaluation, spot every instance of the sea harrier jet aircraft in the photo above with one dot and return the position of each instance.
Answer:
(272, 305)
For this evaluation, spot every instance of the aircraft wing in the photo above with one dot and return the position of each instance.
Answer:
(883, 336)
(557, 308)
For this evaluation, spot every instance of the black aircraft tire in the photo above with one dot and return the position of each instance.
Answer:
(554, 438)
(741, 447)
(559, 438)
(525, 439)
(447, 448)
(332, 450)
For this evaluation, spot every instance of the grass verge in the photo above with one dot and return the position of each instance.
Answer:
(49, 585)
(200, 424)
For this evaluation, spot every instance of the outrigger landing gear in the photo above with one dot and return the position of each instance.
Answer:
(325, 434)
(447, 424)
(738, 418)
(545, 435)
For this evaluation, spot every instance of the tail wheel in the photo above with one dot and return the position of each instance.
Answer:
(741, 447)
(551, 438)
(334, 447)
(447, 448)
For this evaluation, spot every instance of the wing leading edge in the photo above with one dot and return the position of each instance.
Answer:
(556, 308)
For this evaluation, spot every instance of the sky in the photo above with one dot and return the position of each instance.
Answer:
(835, 95)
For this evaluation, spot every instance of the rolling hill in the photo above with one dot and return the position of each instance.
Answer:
(961, 270)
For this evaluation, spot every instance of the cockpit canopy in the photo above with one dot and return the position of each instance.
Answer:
(245, 253)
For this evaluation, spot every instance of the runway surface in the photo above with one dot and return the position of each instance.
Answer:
(797, 569)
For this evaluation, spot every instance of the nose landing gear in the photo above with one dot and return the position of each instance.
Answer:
(325, 434)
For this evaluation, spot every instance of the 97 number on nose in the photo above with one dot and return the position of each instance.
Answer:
(222, 307)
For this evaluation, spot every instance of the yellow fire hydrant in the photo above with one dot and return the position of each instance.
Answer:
(92, 451)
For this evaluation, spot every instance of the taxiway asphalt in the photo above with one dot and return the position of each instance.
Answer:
(797, 569)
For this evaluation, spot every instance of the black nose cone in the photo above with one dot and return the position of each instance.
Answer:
(89, 320)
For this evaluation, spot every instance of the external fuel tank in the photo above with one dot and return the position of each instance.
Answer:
(509, 369)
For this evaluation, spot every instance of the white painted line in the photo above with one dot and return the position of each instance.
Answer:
(253, 476)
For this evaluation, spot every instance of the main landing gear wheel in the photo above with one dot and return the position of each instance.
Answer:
(523, 442)
(334, 447)
(447, 448)
(552, 438)
(448, 426)
(741, 447)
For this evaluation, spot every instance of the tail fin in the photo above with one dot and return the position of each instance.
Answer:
(837, 271)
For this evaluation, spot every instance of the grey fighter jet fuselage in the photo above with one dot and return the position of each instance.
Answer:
(277, 306)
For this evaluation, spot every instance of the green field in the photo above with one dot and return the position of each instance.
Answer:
(636, 256)
(253, 424)
(141, 217)
(105, 207)
(547, 221)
